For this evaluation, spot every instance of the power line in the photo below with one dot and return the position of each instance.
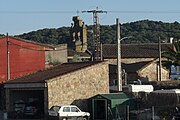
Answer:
(96, 31)
(155, 12)
(97, 11)
(36, 12)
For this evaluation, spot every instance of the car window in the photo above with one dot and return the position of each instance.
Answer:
(74, 109)
(66, 109)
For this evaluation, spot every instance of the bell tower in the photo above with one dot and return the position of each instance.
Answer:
(78, 35)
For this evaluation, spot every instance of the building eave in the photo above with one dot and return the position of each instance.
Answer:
(25, 85)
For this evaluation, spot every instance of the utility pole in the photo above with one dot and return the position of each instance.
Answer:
(160, 65)
(119, 73)
(96, 32)
(8, 59)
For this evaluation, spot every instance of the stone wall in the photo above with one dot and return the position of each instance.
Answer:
(78, 86)
(151, 73)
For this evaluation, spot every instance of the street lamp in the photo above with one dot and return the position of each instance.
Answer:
(119, 85)
(119, 75)
(125, 38)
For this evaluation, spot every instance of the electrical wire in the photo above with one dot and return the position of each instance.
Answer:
(36, 12)
(152, 12)
(78, 11)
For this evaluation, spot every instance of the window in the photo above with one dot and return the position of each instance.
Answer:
(74, 109)
(66, 109)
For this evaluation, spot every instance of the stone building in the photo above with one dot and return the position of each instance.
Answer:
(139, 61)
(145, 71)
(66, 83)
(132, 53)
(78, 35)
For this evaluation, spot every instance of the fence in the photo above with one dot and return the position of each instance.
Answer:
(124, 112)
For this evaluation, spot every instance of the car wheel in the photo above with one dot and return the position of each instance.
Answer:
(85, 118)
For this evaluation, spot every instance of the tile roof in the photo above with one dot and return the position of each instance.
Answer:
(131, 67)
(43, 75)
(135, 50)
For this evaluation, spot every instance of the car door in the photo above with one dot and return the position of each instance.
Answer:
(66, 112)
(75, 112)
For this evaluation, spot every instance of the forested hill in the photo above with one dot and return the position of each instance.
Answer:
(144, 31)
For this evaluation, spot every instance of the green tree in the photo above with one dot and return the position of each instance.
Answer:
(144, 31)
(172, 56)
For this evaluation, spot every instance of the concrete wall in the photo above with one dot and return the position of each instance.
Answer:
(76, 87)
(59, 55)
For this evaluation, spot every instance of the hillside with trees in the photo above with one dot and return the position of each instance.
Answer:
(144, 31)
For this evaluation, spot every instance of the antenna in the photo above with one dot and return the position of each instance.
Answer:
(96, 32)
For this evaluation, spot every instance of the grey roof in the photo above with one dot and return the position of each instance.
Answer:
(131, 67)
(116, 96)
(59, 70)
(135, 50)
(134, 67)
(72, 52)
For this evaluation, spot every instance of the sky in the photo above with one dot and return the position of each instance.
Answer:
(23, 16)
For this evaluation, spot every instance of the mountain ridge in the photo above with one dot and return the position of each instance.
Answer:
(143, 31)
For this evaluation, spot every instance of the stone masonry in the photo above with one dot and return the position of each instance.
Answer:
(76, 87)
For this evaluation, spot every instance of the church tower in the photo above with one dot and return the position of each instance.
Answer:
(78, 35)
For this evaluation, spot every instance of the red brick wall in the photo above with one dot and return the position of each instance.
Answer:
(25, 57)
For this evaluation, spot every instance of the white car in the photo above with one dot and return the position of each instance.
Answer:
(66, 112)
